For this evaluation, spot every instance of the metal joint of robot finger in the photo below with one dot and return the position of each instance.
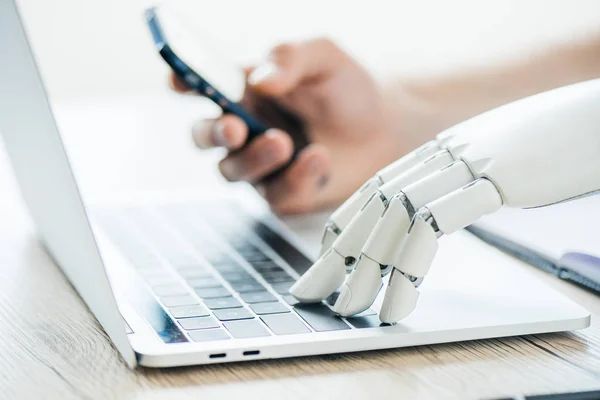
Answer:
(425, 214)
(330, 233)
(416, 281)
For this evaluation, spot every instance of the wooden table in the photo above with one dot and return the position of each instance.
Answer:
(52, 347)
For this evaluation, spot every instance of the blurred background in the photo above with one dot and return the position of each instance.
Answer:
(91, 48)
(125, 131)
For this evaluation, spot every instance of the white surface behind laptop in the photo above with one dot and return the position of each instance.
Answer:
(553, 230)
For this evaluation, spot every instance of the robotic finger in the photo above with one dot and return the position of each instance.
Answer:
(410, 166)
(320, 281)
(445, 215)
(383, 244)
(329, 272)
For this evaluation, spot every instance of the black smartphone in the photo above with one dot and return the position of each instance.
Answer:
(210, 73)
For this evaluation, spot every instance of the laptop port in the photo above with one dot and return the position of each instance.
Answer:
(218, 355)
(251, 352)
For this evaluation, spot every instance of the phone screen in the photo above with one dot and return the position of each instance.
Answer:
(198, 51)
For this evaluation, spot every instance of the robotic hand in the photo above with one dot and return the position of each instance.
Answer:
(531, 153)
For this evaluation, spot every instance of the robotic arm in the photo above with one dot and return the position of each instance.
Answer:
(534, 152)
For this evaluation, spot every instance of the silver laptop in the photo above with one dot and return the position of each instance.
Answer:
(205, 281)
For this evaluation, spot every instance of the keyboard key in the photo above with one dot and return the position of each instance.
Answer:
(267, 267)
(269, 308)
(148, 273)
(230, 269)
(254, 256)
(153, 272)
(284, 324)
(273, 269)
(174, 301)
(199, 283)
(248, 328)
(282, 247)
(209, 293)
(282, 287)
(236, 276)
(218, 255)
(224, 261)
(291, 300)
(276, 277)
(194, 273)
(149, 265)
(192, 264)
(247, 286)
(257, 297)
(257, 257)
(209, 335)
(169, 290)
(189, 311)
(222, 302)
(233, 239)
(211, 251)
(241, 244)
(161, 279)
(261, 264)
(230, 314)
(369, 321)
(320, 317)
(251, 254)
(244, 247)
(198, 323)
(367, 312)
(179, 260)
(267, 273)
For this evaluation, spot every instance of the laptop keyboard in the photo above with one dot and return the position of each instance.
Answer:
(220, 275)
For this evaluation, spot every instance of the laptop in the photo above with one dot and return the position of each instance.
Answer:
(201, 280)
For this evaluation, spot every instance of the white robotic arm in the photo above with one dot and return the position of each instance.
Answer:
(531, 153)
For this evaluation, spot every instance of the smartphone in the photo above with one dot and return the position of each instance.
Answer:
(209, 72)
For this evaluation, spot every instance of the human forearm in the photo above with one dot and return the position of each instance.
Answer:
(432, 105)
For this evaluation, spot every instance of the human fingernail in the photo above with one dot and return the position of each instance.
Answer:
(267, 155)
(262, 73)
(218, 136)
(314, 166)
(230, 170)
(199, 135)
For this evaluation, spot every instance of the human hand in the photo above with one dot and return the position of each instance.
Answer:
(351, 129)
